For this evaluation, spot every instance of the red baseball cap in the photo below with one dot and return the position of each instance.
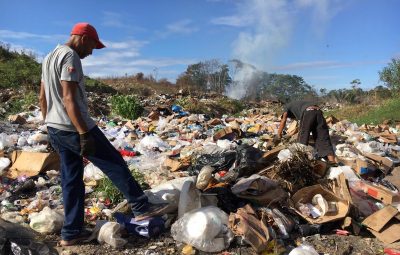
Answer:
(89, 30)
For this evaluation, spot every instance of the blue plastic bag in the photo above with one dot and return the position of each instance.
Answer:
(150, 227)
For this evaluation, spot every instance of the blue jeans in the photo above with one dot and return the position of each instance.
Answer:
(108, 159)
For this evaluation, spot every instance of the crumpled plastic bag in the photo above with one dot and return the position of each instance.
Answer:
(168, 192)
(46, 221)
(4, 163)
(206, 229)
(110, 233)
(92, 172)
(5, 141)
(304, 249)
(150, 143)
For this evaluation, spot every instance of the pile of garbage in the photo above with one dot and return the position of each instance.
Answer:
(226, 180)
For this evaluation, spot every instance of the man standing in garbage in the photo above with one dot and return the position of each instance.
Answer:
(74, 135)
(311, 120)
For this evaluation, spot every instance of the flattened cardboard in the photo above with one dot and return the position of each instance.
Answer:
(32, 163)
(174, 165)
(272, 154)
(389, 234)
(394, 177)
(293, 128)
(341, 188)
(221, 133)
(379, 219)
(17, 119)
(383, 162)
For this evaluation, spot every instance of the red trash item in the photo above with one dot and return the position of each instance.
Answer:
(222, 173)
(390, 251)
(342, 232)
(127, 153)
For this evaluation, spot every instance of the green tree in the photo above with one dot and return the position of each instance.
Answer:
(289, 87)
(390, 75)
(355, 83)
(207, 75)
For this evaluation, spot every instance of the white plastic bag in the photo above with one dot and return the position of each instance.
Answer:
(334, 172)
(46, 221)
(304, 249)
(92, 172)
(206, 229)
(5, 141)
(151, 142)
(4, 163)
(110, 233)
(284, 155)
(162, 124)
(189, 198)
(168, 192)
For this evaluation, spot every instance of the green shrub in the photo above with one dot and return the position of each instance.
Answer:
(18, 69)
(21, 102)
(126, 106)
(232, 106)
(108, 189)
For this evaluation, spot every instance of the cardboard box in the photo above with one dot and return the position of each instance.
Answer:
(293, 128)
(341, 188)
(306, 194)
(382, 194)
(388, 138)
(17, 119)
(272, 154)
(214, 122)
(174, 165)
(223, 132)
(394, 177)
(362, 166)
(153, 115)
(351, 162)
(29, 164)
(383, 163)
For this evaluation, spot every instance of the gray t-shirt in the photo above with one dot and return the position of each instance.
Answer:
(63, 64)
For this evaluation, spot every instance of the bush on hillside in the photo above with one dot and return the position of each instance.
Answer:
(19, 71)
(126, 106)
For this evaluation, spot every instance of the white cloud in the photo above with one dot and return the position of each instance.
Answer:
(129, 45)
(234, 21)
(112, 19)
(8, 34)
(324, 65)
(120, 58)
(179, 27)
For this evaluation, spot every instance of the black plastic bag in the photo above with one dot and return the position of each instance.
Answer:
(248, 160)
(219, 161)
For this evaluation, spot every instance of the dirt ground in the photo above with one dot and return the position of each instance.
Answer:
(323, 244)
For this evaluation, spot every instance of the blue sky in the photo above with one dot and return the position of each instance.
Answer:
(328, 42)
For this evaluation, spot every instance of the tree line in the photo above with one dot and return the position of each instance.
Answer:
(20, 69)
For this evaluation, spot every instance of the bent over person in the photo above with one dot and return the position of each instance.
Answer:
(74, 135)
(311, 121)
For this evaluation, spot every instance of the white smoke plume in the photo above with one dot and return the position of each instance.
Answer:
(269, 26)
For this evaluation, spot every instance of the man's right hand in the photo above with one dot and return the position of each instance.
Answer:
(88, 144)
